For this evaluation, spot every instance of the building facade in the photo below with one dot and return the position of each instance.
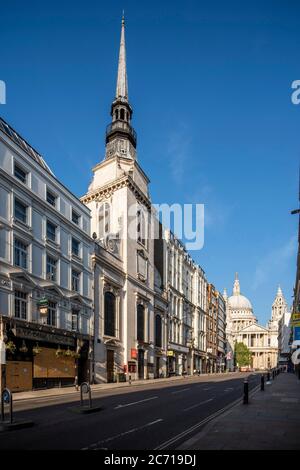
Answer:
(242, 326)
(119, 200)
(186, 285)
(46, 316)
(221, 328)
(212, 336)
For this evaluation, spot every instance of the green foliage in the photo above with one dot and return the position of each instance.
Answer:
(242, 355)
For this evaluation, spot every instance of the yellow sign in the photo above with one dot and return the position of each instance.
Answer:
(296, 316)
(170, 353)
(295, 323)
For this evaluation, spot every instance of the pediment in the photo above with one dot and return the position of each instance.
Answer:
(21, 276)
(52, 288)
(253, 329)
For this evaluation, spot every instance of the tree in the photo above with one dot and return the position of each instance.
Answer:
(242, 355)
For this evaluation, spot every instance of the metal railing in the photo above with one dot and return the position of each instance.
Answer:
(122, 126)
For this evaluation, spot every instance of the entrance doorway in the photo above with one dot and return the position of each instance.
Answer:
(19, 376)
(110, 363)
(140, 363)
(157, 367)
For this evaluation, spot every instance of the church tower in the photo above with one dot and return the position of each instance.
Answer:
(121, 210)
(120, 136)
(279, 306)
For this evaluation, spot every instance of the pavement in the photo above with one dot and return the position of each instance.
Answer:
(270, 421)
(150, 416)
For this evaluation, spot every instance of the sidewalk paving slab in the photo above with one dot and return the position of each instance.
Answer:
(270, 421)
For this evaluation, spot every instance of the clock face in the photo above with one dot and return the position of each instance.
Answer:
(111, 245)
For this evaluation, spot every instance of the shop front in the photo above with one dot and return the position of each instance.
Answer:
(199, 362)
(177, 356)
(39, 356)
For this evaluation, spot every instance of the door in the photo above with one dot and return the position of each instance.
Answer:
(19, 375)
(157, 367)
(141, 364)
(110, 365)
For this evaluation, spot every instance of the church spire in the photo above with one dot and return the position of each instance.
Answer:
(122, 86)
(120, 136)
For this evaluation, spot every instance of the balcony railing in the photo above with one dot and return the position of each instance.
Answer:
(121, 126)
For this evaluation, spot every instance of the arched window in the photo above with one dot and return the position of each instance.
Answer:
(158, 331)
(140, 323)
(109, 314)
(122, 114)
(104, 220)
(117, 114)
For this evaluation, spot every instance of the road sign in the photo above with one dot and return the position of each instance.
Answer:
(297, 333)
(6, 397)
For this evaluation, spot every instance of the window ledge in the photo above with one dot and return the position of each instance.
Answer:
(52, 243)
(76, 258)
(22, 224)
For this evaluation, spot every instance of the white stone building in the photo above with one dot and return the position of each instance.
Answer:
(282, 316)
(242, 326)
(149, 294)
(221, 328)
(120, 205)
(45, 271)
(187, 286)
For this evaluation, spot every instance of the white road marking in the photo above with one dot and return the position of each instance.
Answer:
(177, 437)
(208, 388)
(228, 389)
(179, 391)
(134, 403)
(97, 444)
(198, 404)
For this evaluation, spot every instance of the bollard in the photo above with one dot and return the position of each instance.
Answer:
(268, 377)
(246, 392)
(262, 382)
(129, 379)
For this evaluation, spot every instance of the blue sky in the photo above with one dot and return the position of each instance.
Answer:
(210, 85)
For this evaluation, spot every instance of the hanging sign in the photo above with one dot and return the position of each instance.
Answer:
(43, 306)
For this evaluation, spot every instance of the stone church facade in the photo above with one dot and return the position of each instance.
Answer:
(242, 326)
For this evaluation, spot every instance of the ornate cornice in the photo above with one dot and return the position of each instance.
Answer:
(106, 191)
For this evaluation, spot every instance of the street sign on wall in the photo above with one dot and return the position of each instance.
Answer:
(133, 353)
(296, 333)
